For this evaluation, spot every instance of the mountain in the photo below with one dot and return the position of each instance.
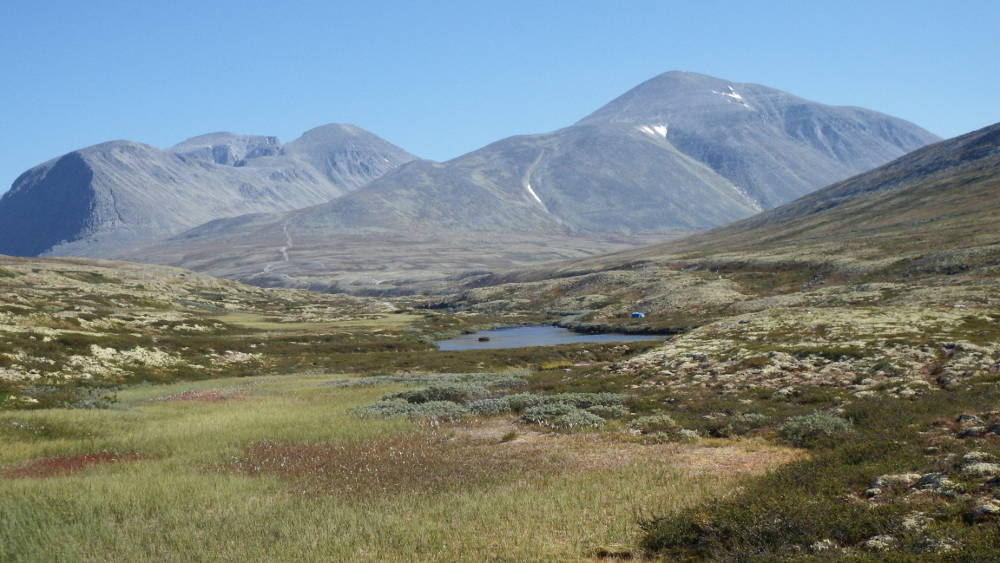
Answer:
(921, 229)
(679, 153)
(103, 199)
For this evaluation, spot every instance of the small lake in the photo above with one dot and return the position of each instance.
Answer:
(542, 335)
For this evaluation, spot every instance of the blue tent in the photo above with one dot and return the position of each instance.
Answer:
(638, 315)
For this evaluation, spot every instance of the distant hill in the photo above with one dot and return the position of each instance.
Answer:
(103, 199)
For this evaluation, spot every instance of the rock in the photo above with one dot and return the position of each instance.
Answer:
(968, 419)
(943, 545)
(873, 492)
(985, 510)
(823, 545)
(935, 482)
(785, 392)
(981, 469)
(896, 480)
(916, 521)
(972, 432)
(971, 457)
(880, 543)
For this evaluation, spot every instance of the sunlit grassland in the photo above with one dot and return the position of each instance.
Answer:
(262, 322)
(180, 503)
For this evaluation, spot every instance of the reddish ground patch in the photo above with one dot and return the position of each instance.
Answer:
(62, 465)
(211, 395)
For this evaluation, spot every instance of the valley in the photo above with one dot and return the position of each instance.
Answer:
(823, 386)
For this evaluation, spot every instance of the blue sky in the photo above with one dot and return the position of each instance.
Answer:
(443, 78)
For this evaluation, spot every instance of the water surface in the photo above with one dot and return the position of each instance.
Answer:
(541, 335)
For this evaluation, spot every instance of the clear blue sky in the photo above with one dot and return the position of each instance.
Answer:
(442, 78)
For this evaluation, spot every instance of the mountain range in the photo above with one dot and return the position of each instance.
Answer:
(102, 199)
(679, 153)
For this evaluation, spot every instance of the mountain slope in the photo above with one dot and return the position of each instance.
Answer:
(102, 199)
(774, 145)
(682, 152)
(921, 227)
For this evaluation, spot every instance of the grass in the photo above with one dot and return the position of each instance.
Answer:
(184, 492)
(263, 322)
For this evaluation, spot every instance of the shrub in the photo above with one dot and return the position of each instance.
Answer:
(454, 392)
(489, 407)
(609, 411)
(807, 430)
(736, 425)
(655, 423)
(561, 416)
(587, 400)
(523, 401)
(431, 410)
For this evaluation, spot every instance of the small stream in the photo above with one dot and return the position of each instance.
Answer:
(540, 335)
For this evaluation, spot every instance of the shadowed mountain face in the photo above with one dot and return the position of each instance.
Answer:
(103, 199)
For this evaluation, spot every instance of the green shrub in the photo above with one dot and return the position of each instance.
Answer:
(807, 430)
(655, 423)
(489, 407)
(561, 416)
(432, 410)
(608, 411)
(522, 401)
(736, 425)
(587, 400)
(454, 392)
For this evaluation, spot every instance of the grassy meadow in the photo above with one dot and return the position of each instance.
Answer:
(186, 485)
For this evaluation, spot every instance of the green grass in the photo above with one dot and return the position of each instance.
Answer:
(263, 322)
(179, 503)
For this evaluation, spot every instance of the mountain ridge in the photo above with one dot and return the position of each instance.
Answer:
(107, 197)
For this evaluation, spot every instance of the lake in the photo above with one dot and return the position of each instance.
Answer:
(541, 335)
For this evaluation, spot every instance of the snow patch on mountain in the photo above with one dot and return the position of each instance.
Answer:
(733, 96)
(534, 195)
(654, 130)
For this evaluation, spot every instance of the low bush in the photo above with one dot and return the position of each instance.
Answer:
(445, 411)
(561, 416)
(489, 407)
(655, 423)
(808, 430)
(454, 392)
(736, 425)
(609, 411)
